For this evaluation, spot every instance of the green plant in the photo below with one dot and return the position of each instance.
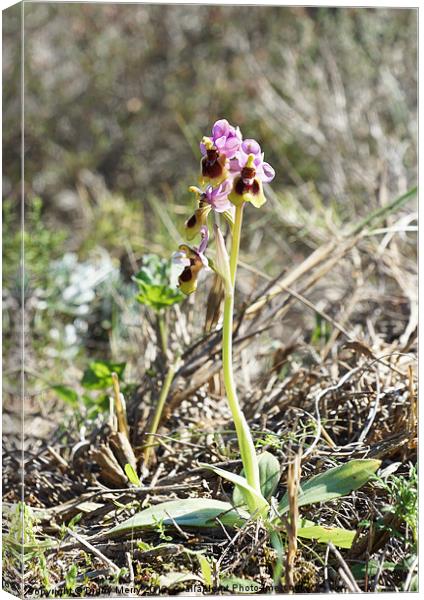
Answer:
(403, 500)
(153, 279)
(71, 578)
(157, 414)
(97, 380)
(71, 525)
(204, 512)
(41, 243)
(23, 548)
(160, 529)
(155, 291)
(255, 486)
(98, 375)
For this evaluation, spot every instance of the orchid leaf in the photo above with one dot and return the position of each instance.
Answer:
(188, 512)
(269, 474)
(342, 538)
(255, 501)
(334, 483)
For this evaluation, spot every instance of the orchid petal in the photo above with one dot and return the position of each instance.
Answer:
(234, 164)
(221, 128)
(268, 172)
(231, 146)
(220, 143)
(250, 146)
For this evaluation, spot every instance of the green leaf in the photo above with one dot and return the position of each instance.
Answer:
(278, 545)
(255, 501)
(334, 483)
(269, 473)
(174, 578)
(98, 376)
(153, 282)
(206, 569)
(30, 548)
(158, 296)
(413, 586)
(132, 475)
(67, 394)
(237, 585)
(343, 538)
(359, 571)
(189, 512)
(95, 404)
(71, 578)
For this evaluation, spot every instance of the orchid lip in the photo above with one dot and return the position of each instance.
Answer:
(191, 221)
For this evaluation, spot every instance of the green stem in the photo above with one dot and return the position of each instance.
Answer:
(247, 448)
(163, 333)
(158, 412)
(235, 246)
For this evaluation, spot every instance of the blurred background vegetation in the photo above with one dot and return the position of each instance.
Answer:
(116, 99)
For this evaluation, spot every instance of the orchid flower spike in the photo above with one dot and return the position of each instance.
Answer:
(188, 262)
(213, 198)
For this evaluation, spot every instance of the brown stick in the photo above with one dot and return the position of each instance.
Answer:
(111, 565)
(344, 571)
(123, 449)
(293, 481)
(119, 408)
